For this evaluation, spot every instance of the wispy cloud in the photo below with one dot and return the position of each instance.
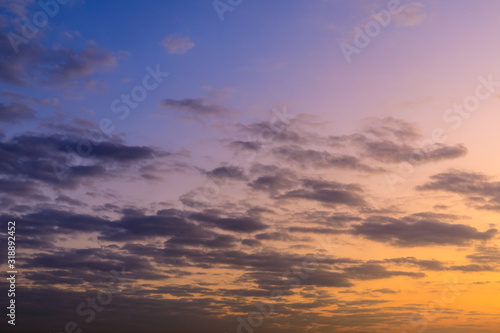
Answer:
(177, 44)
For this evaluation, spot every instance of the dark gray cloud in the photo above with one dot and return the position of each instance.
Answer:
(164, 223)
(431, 265)
(386, 291)
(18, 188)
(278, 236)
(235, 224)
(38, 157)
(70, 201)
(35, 63)
(247, 145)
(393, 128)
(49, 309)
(322, 159)
(251, 242)
(15, 113)
(393, 152)
(216, 242)
(324, 278)
(479, 189)
(123, 153)
(375, 271)
(391, 140)
(316, 230)
(23, 98)
(187, 245)
(196, 107)
(326, 218)
(485, 254)
(266, 132)
(327, 192)
(272, 179)
(229, 172)
(272, 184)
(470, 268)
(424, 232)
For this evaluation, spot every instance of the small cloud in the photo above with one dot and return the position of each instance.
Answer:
(412, 14)
(196, 107)
(230, 172)
(219, 94)
(70, 35)
(23, 98)
(176, 44)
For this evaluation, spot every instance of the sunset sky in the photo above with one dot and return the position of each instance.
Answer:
(251, 166)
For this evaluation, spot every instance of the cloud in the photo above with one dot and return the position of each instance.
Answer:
(424, 232)
(374, 271)
(412, 14)
(15, 113)
(189, 244)
(316, 230)
(123, 153)
(479, 190)
(27, 99)
(435, 265)
(326, 218)
(391, 152)
(279, 131)
(35, 63)
(196, 107)
(247, 145)
(321, 159)
(18, 188)
(324, 278)
(485, 254)
(277, 236)
(234, 224)
(272, 179)
(47, 225)
(386, 291)
(215, 242)
(176, 44)
(472, 268)
(39, 157)
(70, 201)
(164, 223)
(391, 128)
(230, 172)
(431, 265)
(327, 193)
(391, 140)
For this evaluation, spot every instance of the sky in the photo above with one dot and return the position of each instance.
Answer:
(250, 166)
